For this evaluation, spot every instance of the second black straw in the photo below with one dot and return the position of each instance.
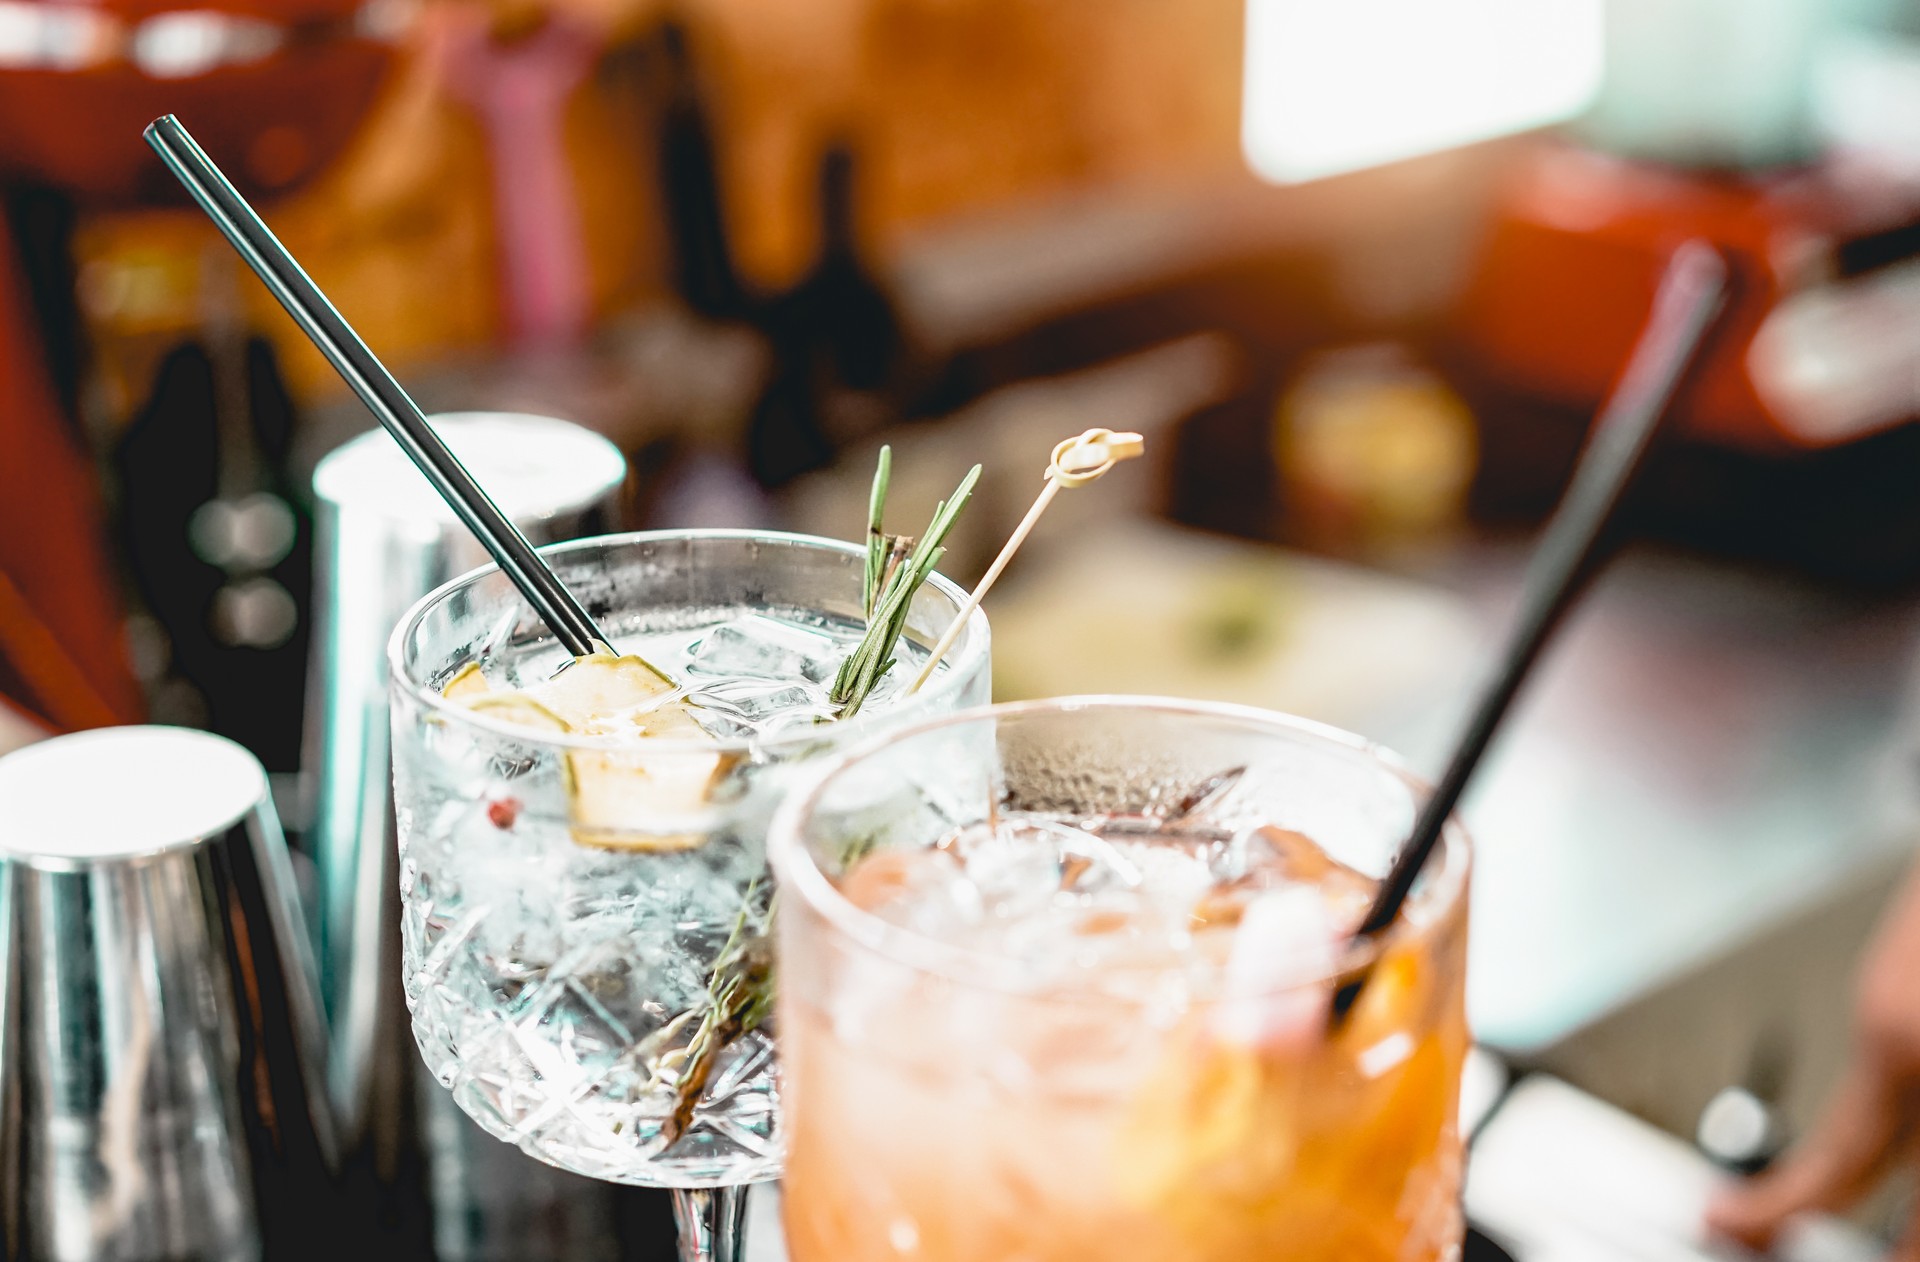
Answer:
(1690, 296)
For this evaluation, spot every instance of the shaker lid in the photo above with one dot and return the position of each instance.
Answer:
(121, 792)
(531, 465)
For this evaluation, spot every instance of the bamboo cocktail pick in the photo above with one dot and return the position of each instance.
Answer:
(1076, 462)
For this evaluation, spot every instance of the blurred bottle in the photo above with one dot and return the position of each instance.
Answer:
(1375, 452)
(840, 307)
(837, 342)
(700, 253)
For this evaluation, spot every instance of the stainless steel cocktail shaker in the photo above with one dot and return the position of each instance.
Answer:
(384, 539)
(162, 1080)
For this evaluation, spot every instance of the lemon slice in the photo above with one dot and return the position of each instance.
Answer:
(603, 692)
(518, 709)
(628, 797)
(466, 683)
(635, 798)
(651, 800)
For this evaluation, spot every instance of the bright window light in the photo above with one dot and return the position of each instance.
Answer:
(1335, 85)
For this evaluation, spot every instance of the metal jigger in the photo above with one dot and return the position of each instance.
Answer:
(385, 539)
(162, 1078)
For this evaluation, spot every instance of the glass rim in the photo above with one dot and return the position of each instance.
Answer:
(795, 868)
(972, 644)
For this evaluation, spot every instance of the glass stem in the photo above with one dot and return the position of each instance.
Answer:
(710, 1221)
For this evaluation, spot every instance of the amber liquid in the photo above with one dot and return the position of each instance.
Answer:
(1144, 1140)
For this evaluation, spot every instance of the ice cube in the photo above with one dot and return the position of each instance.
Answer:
(1156, 866)
(743, 710)
(722, 722)
(761, 647)
(761, 703)
(1201, 841)
(1270, 857)
(1285, 942)
(766, 703)
(1017, 867)
(1087, 862)
(1171, 876)
(915, 888)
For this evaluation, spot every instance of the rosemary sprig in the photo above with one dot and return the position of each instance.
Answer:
(739, 998)
(879, 544)
(896, 568)
(740, 984)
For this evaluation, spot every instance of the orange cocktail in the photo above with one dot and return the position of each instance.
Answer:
(1055, 986)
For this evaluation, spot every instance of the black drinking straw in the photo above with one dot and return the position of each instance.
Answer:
(370, 380)
(1691, 294)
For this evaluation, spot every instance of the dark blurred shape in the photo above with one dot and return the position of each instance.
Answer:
(837, 345)
(840, 302)
(835, 338)
(704, 274)
(1845, 514)
(277, 88)
(496, 1204)
(273, 89)
(1223, 475)
(200, 491)
(42, 222)
(1479, 1248)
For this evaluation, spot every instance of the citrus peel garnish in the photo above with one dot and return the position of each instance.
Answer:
(625, 797)
(468, 681)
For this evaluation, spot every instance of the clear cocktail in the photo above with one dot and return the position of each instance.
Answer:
(583, 861)
(1055, 986)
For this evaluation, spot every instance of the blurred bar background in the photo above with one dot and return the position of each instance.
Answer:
(1361, 272)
